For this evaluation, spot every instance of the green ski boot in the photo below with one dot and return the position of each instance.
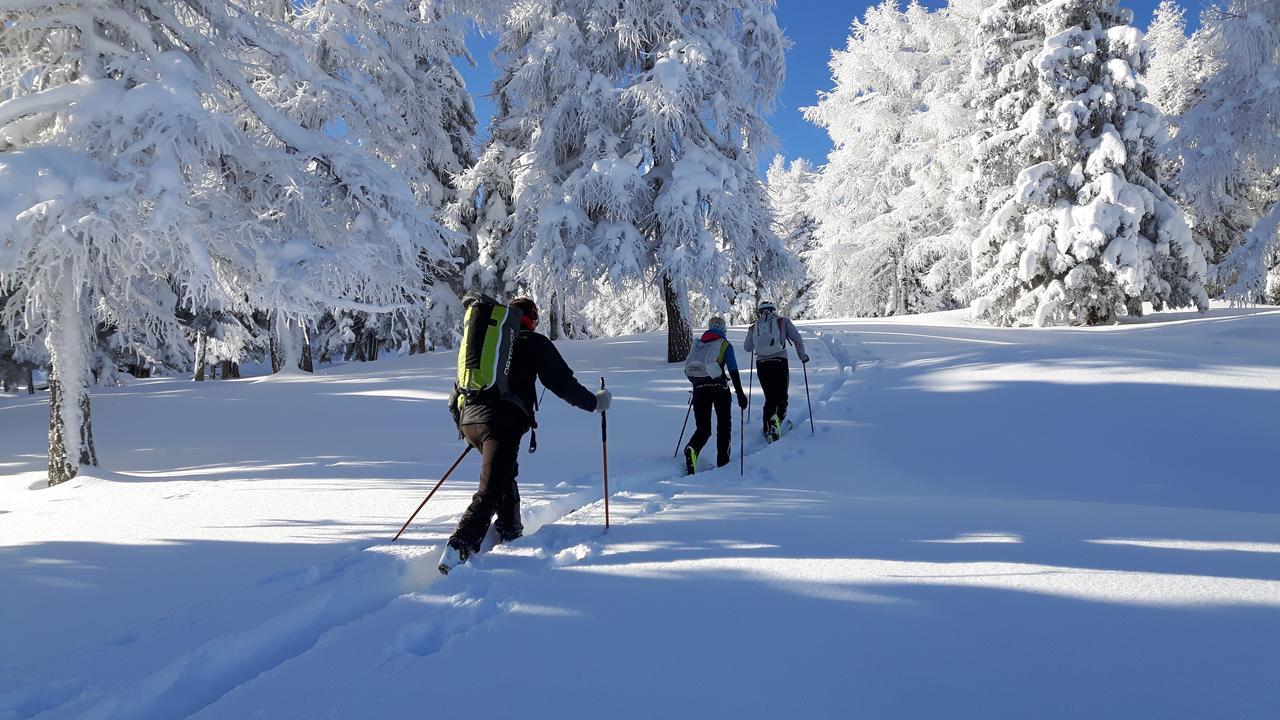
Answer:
(690, 461)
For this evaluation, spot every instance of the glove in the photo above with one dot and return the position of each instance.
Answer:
(742, 401)
(603, 399)
(804, 359)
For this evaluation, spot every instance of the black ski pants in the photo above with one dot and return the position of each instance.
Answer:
(499, 446)
(706, 397)
(775, 376)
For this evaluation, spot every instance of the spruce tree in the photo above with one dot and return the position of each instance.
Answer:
(1083, 233)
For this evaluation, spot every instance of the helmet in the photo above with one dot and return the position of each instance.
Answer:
(766, 308)
(528, 307)
(716, 323)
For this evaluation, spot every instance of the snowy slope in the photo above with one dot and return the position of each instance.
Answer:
(988, 523)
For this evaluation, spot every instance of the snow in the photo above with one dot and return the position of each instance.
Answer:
(232, 558)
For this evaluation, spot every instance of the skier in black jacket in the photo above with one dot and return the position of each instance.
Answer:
(495, 428)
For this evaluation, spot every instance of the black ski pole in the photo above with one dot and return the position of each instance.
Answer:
(433, 492)
(807, 398)
(684, 426)
(604, 451)
(742, 443)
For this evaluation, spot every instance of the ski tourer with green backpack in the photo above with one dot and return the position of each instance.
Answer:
(494, 403)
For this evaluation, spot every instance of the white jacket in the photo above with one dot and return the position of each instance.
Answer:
(783, 331)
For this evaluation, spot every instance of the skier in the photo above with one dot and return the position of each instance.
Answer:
(495, 426)
(705, 368)
(768, 337)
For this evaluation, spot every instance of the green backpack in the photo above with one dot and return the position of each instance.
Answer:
(489, 331)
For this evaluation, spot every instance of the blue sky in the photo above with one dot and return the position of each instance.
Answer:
(816, 27)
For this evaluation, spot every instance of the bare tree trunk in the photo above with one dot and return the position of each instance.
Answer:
(306, 364)
(88, 453)
(277, 360)
(70, 425)
(31, 381)
(61, 466)
(553, 317)
(202, 354)
(227, 370)
(679, 337)
(61, 469)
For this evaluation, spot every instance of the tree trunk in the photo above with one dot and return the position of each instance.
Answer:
(31, 381)
(277, 359)
(420, 347)
(88, 453)
(70, 425)
(553, 318)
(679, 337)
(306, 364)
(61, 469)
(61, 466)
(228, 370)
(202, 354)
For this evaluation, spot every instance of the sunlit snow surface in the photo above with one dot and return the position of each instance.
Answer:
(987, 523)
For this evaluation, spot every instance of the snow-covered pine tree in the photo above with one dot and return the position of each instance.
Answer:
(1083, 234)
(417, 117)
(1178, 64)
(898, 117)
(791, 188)
(160, 156)
(1229, 146)
(627, 135)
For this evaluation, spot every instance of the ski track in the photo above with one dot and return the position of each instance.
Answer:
(564, 530)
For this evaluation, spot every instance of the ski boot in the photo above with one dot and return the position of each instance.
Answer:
(454, 555)
(773, 432)
(690, 461)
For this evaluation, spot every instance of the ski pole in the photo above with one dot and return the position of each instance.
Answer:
(604, 451)
(684, 426)
(751, 384)
(807, 398)
(742, 443)
(433, 492)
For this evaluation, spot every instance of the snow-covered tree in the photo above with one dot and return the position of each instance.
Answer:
(1229, 145)
(156, 156)
(888, 237)
(1083, 233)
(1178, 64)
(626, 137)
(791, 188)
(416, 116)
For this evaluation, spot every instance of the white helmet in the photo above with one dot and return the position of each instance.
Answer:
(766, 308)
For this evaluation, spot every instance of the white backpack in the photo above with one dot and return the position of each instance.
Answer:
(768, 338)
(704, 360)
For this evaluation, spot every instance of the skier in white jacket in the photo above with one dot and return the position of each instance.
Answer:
(767, 338)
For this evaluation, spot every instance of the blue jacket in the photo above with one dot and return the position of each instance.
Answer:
(730, 361)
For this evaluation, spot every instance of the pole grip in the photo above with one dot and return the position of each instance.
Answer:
(604, 422)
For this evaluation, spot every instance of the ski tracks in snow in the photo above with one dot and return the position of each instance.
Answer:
(351, 594)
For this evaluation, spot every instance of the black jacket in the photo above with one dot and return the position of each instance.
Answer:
(534, 357)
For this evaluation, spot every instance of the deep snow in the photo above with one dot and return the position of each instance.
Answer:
(988, 523)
